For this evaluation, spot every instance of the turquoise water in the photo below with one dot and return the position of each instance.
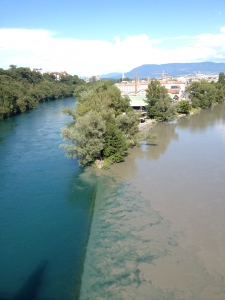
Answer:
(44, 206)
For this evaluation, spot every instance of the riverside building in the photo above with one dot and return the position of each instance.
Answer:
(138, 87)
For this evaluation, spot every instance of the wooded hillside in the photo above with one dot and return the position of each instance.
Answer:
(22, 89)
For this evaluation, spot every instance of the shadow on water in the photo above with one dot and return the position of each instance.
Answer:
(31, 287)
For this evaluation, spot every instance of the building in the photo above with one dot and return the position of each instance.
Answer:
(133, 87)
(37, 70)
(92, 79)
(138, 103)
(57, 75)
(175, 88)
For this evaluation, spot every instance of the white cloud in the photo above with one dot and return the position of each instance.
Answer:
(40, 48)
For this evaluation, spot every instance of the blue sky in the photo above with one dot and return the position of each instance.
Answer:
(98, 37)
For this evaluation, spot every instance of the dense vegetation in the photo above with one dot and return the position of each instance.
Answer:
(22, 89)
(159, 105)
(202, 94)
(104, 125)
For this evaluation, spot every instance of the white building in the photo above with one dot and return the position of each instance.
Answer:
(175, 88)
(133, 87)
(92, 79)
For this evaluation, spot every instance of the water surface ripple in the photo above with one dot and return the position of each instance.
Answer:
(44, 207)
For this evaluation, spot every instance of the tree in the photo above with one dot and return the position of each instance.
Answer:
(183, 107)
(115, 143)
(22, 89)
(127, 123)
(202, 93)
(153, 93)
(159, 104)
(12, 67)
(85, 137)
(221, 79)
(105, 100)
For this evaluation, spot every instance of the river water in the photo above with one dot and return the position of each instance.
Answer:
(44, 207)
(158, 227)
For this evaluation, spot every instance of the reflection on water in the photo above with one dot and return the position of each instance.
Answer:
(166, 133)
(204, 119)
(158, 230)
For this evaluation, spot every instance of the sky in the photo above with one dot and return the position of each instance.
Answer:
(95, 37)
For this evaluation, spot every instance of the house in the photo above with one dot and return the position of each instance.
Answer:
(136, 86)
(92, 79)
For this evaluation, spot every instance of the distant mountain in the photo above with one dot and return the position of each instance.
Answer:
(173, 69)
(112, 75)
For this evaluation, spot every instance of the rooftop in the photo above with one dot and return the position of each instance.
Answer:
(137, 100)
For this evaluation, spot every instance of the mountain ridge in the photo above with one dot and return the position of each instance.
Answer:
(172, 69)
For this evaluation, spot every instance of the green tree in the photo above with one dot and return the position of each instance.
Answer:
(127, 123)
(221, 79)
(22, 89)
(12, 67)
(202, 93)
(85, 137)
(115, 143)
(153, 94)
(183, 107)
(106, 101)
(159, 104)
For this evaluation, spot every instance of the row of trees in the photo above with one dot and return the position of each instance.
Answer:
(22, 89)
(159, 105)
(104, 125)
(202, 94)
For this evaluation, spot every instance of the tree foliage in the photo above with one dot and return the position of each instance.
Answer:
(22, 89)
(115, 143)
(159, 105)
(85, 137)
(183, 107)
(104, 100)
(203, 93)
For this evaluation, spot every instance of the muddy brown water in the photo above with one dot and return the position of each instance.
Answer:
(158, 229)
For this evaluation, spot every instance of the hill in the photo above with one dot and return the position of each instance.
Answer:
(173, 69)
(22, 89)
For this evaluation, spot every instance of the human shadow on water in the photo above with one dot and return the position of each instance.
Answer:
(31, 287)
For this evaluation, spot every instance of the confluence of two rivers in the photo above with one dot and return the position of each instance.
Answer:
(158, 228)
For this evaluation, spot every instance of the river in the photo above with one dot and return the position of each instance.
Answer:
(158, 229)
(44, 206)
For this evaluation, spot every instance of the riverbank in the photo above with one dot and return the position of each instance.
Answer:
(29, 88)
